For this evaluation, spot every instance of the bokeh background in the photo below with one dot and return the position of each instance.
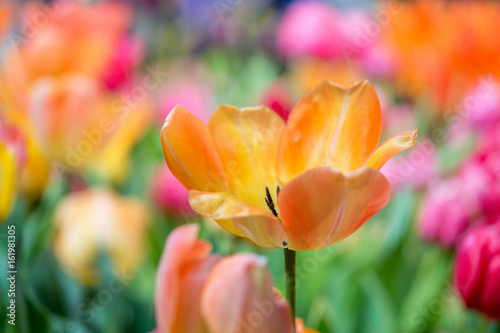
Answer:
(85, 88)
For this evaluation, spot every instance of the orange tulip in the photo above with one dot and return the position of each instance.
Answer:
(238, 297)
(442, 47)
(55, 83)
(5, 16)
(83, 127)
(184, 266)
(75, 38)
(199, 293)
(325, 160)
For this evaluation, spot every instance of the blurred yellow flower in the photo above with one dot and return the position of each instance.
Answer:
(97, 221)
(12, 159)
(35, 174)
(8, 181)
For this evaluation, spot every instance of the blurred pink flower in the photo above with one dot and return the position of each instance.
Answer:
(192, 95)
(477, 269)
(444, 216)
(168, 194)
(378, 60)
(482, 103)
(126, 57)
(198, 292)
(470, 199)
(353, 25)
(489, 138)
(315, 28)
(479, 177)
(309, 29)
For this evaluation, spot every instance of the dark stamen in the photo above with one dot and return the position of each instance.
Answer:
(278, 190)
(270, 203)
(268, 195)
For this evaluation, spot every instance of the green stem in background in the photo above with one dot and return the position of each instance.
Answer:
(290, 280)
(483, 325)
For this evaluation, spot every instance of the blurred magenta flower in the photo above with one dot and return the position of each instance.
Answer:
(477, 269)
(168, 194)
(199, 292)
(123, 62)
(481, 176)
(278, 98)
(469, 199)
(444, 215)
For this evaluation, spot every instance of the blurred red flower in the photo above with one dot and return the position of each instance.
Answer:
(477, 270)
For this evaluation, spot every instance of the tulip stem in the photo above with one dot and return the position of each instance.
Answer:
(290, 279)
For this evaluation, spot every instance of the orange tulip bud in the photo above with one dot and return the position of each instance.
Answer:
(198, 293)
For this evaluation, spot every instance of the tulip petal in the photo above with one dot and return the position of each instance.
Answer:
(311, 207)
(184, 267)
(247, 219)
(332, 126)
(190, 152)
(238, 297)
(322, 206)
(368, 191)
(247, 142)
(391, 147)
(490, 299)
